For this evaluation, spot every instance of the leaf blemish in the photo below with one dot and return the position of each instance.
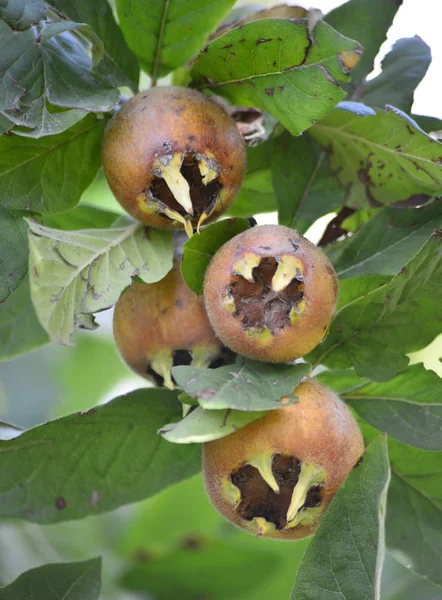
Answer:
(270, 91)
(263, 41)
(60, 503)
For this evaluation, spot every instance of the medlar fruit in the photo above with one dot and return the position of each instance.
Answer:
(276, 476)
(270, 294)
(173, 158)
(164, 324)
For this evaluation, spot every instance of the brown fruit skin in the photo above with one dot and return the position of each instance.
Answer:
(321, 292)
(160, 317)
(169, 120)
(318, 429)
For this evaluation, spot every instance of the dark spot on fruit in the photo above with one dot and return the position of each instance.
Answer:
(179, 303)
(60, 503)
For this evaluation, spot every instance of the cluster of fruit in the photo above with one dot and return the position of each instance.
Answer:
(175, 159)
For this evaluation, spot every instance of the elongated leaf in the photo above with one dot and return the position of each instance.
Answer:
(13, 252)
(375, 333)
(368, 22)
(247, 385)
(189, 573)
(92, 462)
(303, 184)
(403, 69)
(382, 158)
(50, 174)
(74, 274)
(165, 34)
(82, 217)
(199, 250)
(21, 14)
(273, 64)
(389, 240)
(20, 329)
(344, 559)
(118, 66)
(60, 581)
(46, 77)
(417, 545)
(408, 407)
(205, 425)
(421, 474)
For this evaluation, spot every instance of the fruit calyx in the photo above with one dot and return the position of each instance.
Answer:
(278, 492)
(266, 293)
(185, 187)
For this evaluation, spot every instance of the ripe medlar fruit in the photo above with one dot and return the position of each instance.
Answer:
(270, 294)
(173, 158)
(276, 476)
(164, 324)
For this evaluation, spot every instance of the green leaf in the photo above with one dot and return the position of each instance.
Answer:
(21, 14)
(60, 581)
(206, 425)
(382, 158)
(92, 462)
(304, 186)
(5, 124)
(76, 273)
(201, 572)
(119, 66)
(408, 407)
(13, 252)
(368, 22)
(375, 332)
(403, 69)
(200, 248)
(414, 530)
(256, 194)
(420, 472)
(165, 34)
(389, 240)
(20, 329)
(355, 287)
(50, 174)
(46, 77)
(247, 385)
(82, 217)
(272, 64)
(344, 559)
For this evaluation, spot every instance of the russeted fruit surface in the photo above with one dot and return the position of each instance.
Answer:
(164, 324)
(270, 294)
(173, 158)
(276, 476)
